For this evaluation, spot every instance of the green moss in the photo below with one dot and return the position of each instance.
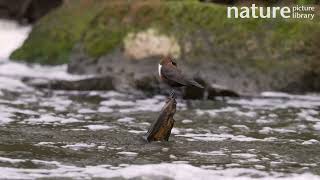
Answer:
(108, 32)
(53, 37)
(304, 2)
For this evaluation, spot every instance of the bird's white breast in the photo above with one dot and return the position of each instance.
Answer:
(159, 69)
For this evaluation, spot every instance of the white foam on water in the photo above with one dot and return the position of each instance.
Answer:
(269, 130)
(218, 137)
(7, 113)
(45, 144)
(107, 94)
(308, 115)
(14, 69)
(59, 103)
(177, 171)
(316, 126)
(210, 153)
(264, 120)
(175, 131)
(311, 97)
(10, 160)
(251, 114)
(126, 153)
(126, 120)
(79, 146)
(12, 84)
(153, 104)
(241, 127)
(101, 147)
(276, 100)
(5, 117)
(260, 167)
(51, 119)
(98, 127)
(149, 104)
(275, 103)
(233, 165)
(12, 35)
(243, 155)
(104, 109)
(137, 132)
(311, 141)
(86, 111)
(186, 121)
(115, 102)
(211, 113)
(214, 112)
(266, 130)
(16, 110)
(11, 74)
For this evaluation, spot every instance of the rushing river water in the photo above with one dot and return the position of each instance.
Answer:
(97, 134)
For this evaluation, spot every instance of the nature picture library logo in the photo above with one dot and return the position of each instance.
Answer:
(297, 12)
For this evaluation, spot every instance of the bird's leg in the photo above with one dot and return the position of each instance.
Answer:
(172, 94)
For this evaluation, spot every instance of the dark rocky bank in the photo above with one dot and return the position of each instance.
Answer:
(26, 11)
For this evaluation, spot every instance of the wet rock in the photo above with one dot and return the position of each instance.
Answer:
(141, 75)
(116, 71)
(26, 11)
(148, 84)
(160, 130)
(215, 90)
(96, 83)
(132, 75)
(81, 63)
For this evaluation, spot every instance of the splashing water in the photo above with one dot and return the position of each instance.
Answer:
(12, 36)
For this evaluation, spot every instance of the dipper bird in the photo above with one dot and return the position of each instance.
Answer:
(171, 75)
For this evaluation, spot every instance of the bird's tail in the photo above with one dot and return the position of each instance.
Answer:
(196, 84)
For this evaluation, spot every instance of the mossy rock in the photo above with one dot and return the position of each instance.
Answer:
(279, 50)
(102, 27)
(53, 37)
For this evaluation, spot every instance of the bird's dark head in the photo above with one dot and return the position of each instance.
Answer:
(167, 60)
